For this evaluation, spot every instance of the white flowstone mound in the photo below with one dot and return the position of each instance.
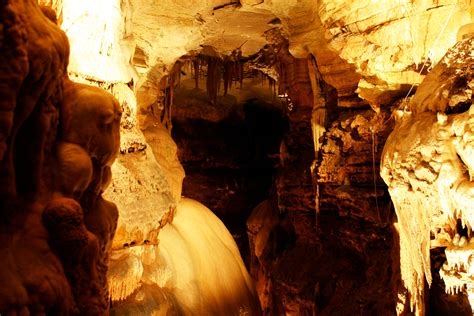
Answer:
(196, 269)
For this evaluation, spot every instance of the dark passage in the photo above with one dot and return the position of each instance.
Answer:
(230, 162)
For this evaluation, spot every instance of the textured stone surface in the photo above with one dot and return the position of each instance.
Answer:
(448, 88)
(139, 181)
(427, 164)
(345, 250)
(58, 141)
(348, 170)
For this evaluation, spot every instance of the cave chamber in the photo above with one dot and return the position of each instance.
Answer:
(248, 157)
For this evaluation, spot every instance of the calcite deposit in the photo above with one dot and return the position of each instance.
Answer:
(184, 274)
(427, 165)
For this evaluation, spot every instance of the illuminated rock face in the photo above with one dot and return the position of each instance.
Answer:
(102, 27)
(101, 48)
(58, 142)
(389, 42)
(427, 164)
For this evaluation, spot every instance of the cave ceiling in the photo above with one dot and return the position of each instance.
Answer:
(373, 50)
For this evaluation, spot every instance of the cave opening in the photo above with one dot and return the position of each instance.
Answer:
(229, 145)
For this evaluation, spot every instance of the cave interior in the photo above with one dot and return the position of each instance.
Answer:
(236, 157)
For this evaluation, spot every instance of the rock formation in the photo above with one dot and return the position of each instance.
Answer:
(59, 140)
(184, 274)
(428, 167)
(356, 91)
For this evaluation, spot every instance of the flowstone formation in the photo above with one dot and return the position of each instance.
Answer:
(58, 140)
(429, 168)
(195, 270)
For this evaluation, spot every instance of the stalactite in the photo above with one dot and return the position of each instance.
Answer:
(238, 66)
(414, 232)
(168, 84)
(374, 173)
(196, 72)
(275, 94)
(282, 75)
(232, 70)
(228, 74)
(169, 124)
(214, 74)
(241, 74)
(228, 69)
(318, 120)
(124, 277)
(163, 116)
(271, 84)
